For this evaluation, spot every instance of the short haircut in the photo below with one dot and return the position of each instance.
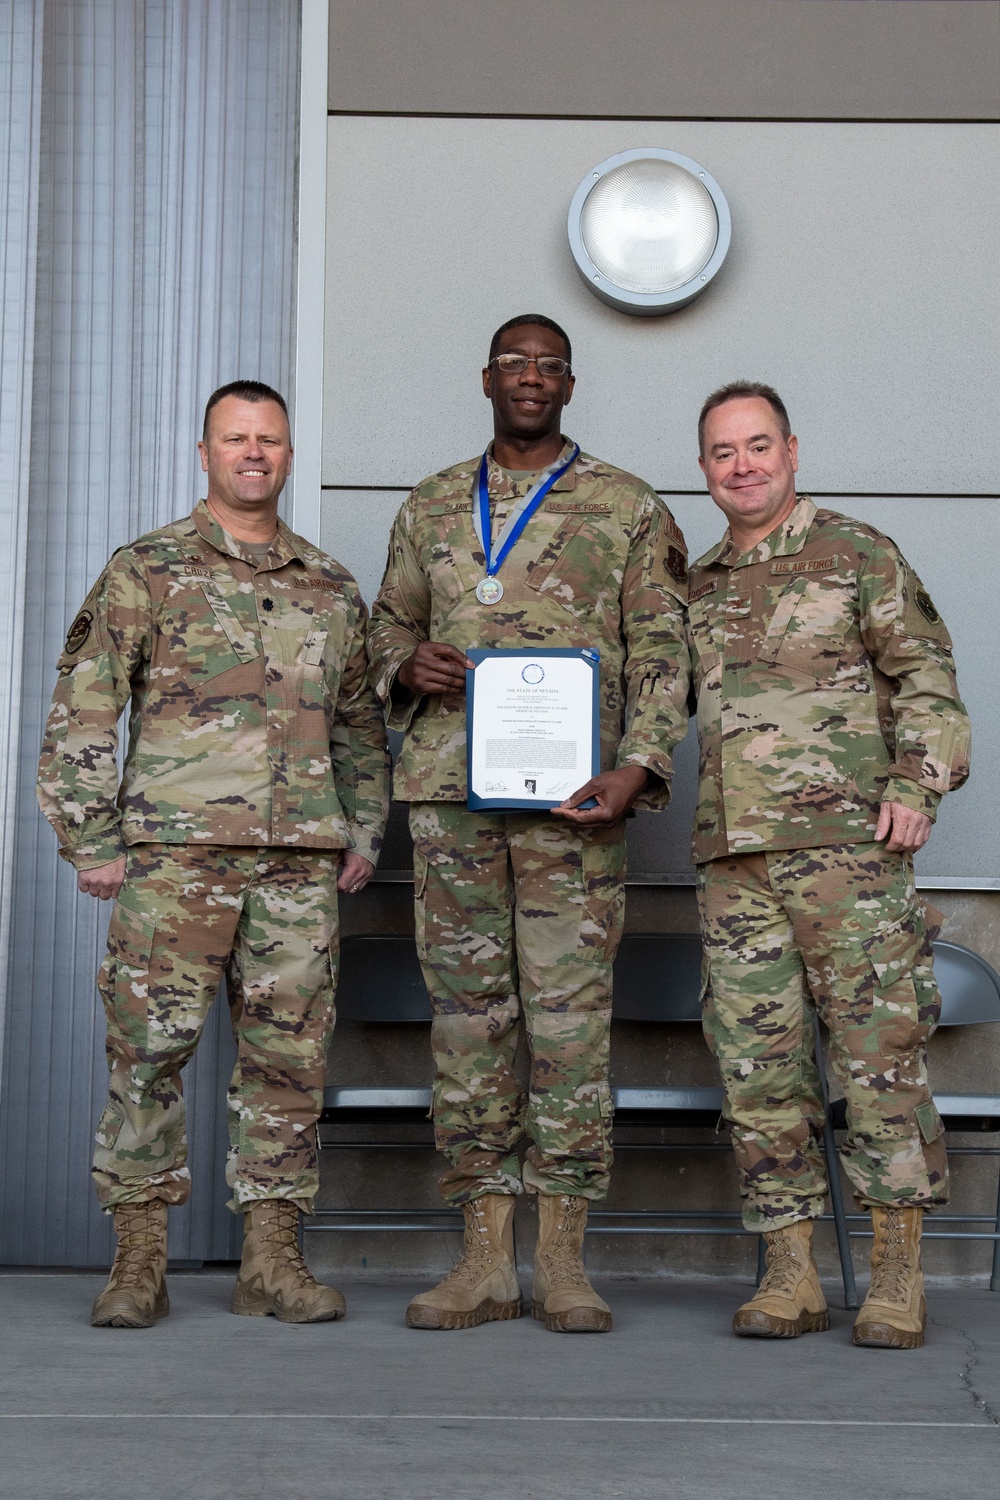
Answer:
(742, 390)
(244, 390)
(530, 320)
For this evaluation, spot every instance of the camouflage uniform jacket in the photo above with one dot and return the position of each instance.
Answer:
(825, 685)
(601, 564)
(251, 720)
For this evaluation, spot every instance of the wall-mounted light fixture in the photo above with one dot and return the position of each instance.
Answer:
(648, 230)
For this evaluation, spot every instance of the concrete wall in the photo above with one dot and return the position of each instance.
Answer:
(856, 147)
(657, 59)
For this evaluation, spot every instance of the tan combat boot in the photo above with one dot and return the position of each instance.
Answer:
(273, 1277)
(483, 1286)
(562, 1296)
(789, 1300)
(893, 1314)
(136, 1293)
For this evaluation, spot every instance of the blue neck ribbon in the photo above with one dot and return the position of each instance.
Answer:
(512, 532)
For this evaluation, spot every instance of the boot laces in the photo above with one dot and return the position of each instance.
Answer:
(782, 1267)
(139, 1244)
(891, 1273)
(562, 1253)
(477, 1250)
(281, 1240)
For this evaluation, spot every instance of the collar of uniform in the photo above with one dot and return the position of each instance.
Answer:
(283, 548)
(784, 541)
(498, 482)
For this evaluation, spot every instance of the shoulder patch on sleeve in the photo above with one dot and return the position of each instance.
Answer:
(920, 616)
(668, 563)
(79, 632)
(922, 600)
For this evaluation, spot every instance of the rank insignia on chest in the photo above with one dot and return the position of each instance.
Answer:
(79, 630)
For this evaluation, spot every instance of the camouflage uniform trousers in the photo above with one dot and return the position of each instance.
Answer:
(838, 928)
(518, 913)
(186, 916)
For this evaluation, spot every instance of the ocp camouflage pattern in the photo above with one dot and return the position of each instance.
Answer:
(825, 684)
(251, 720)
(490, 886)
(838, 927)
(602, 564)
(266, 920)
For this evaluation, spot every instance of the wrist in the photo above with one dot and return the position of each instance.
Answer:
(638, 776)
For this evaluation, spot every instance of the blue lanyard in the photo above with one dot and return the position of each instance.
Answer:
(511, 532)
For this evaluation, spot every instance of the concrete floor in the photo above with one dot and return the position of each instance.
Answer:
(211, 1407)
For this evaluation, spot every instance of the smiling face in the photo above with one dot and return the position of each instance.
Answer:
(247, 455)
(527, 407)
(750, 466)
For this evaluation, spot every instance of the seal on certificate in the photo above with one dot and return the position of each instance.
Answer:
(489, 591)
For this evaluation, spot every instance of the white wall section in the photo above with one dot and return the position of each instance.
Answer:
(860, 283)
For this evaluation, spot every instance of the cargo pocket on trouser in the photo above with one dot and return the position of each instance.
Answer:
(894, 1152)
(905, 999)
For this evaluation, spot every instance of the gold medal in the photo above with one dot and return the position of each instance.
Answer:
(489, 590)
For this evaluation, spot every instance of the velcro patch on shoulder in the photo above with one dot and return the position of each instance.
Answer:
(701, 589)
(580, 507)
(922, 600)
(79, 631)
(804, 564)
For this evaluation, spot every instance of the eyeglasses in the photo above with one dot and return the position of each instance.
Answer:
(546, 364)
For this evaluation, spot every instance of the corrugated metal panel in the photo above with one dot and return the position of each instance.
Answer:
(20, 112)
(165, 267)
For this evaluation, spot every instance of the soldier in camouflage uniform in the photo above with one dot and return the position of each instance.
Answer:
(830, 726)
(255, 785)
(520, 913)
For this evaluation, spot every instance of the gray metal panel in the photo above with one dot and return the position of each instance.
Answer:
(922, 59)
(860, 282)
(165, 267)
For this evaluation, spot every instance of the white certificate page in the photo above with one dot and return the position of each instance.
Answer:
(532, 728)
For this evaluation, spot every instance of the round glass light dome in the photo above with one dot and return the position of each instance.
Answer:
(648, 230)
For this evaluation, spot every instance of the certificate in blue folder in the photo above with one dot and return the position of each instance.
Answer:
(532, 727)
